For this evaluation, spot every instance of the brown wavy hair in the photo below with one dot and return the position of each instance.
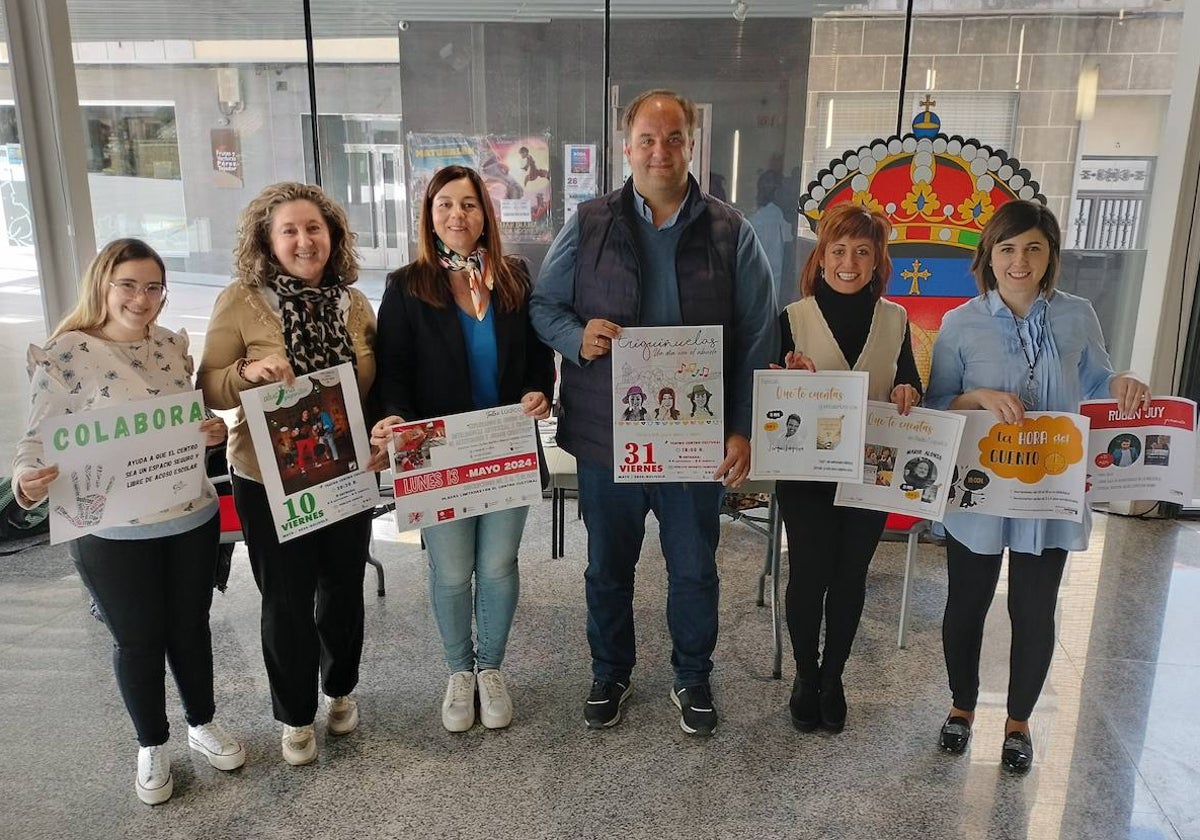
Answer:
(91, 310)
(1012, 219)
(856, 222)
(253, 261)
(427, 280)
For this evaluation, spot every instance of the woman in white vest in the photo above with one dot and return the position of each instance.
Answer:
(841, 322)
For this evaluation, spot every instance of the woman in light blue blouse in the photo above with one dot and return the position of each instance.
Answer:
(1019, 346)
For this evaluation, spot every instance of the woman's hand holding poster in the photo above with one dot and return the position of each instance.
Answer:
(312, 447)
(808, 426)
(1150, 454)
(1032, 470)
(908, 461)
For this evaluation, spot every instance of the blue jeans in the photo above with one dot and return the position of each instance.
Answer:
(485, 546)
(689, 527)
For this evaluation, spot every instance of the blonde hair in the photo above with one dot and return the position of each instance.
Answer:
(253, 261)
(91, 309)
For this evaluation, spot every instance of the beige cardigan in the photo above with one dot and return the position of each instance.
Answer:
(879, 355)
(246, 324)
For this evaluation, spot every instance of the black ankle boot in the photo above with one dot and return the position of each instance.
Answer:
(805, 705)
(833, 704)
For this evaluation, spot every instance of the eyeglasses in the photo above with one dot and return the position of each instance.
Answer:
(129, 289)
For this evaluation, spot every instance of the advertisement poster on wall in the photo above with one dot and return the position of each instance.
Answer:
(515, 172)
(908, 461)
(463, 465)
(1150, 454)
(121, 463)
(1032, 470)
(668, 404)
(579, 175)
(226, 158)
(311, 443)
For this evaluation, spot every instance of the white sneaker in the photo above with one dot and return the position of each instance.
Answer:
(222, 750)
(299, 745)
(495, 705)
(154, 781)
(342, 715)
(458, 708)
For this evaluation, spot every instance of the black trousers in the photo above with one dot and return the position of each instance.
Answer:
(312, 603)
(829, 551)
(1033, 581)
(154, 596)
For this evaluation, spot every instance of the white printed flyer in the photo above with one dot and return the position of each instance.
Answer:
(1034, 469)
(312, 449)
(809, 426)
(668, 404)
(462, 465)
(908, 461)
(1150, 454)
(126, 461)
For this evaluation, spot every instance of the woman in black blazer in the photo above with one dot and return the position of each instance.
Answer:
(454, 336)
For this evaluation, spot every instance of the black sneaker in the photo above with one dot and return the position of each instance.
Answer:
(697, 714)
(604, 703)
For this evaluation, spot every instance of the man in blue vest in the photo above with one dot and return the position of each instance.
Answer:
(658, 252)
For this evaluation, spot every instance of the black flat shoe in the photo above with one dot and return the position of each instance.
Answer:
(955, 735)
(833, 705)
(1017, 754)
(804, 704)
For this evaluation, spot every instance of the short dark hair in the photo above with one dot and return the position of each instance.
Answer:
(690, 114)
(1012, 219)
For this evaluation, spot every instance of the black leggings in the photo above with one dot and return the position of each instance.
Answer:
(154, 596)
(312, 603)
(1033, 581)
(829, 551)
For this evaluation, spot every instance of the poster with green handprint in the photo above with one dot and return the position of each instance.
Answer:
(123, 463)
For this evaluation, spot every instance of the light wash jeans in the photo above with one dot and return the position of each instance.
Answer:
(485, 546)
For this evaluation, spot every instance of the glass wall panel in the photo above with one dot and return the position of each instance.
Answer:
(409, 88)
(188, 111)
(21, 319)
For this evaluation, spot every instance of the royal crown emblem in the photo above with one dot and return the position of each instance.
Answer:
(938, 192)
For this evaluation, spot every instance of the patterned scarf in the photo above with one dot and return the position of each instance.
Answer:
(473, 264)
(315, 339)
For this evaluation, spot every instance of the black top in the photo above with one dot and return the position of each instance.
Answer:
(849, 319)
(422, 355)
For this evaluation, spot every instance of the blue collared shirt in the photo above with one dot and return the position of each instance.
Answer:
(755, 326)
(979, 346)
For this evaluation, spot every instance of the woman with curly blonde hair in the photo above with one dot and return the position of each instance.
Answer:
(290, 310)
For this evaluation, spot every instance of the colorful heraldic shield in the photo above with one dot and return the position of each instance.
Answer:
(938, 192)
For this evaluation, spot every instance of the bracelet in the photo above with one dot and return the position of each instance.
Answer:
(241, 369)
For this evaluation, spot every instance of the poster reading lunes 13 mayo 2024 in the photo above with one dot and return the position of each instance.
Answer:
(1149, 454)
(1031, 470)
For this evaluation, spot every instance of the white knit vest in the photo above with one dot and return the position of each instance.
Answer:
(814, 339)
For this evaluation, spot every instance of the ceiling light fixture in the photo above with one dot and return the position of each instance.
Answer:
(739, 10)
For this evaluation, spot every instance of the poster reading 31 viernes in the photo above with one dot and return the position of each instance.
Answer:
(123, 462)
(462, 465)
(809, 426)
(1031, 470)
(668, 404)
(1150, 454)
(312, 448)
(908, 461)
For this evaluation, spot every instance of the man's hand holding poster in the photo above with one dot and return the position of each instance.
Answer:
(1029, 470)
(668, 404)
